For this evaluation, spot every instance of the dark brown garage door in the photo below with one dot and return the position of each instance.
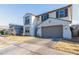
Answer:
(52, 32)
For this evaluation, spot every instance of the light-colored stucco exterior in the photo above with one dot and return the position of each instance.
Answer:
(52, 22)
(31, 26)
(75, 14)
(36, 23)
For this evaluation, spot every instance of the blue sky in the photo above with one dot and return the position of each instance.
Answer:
(13, 13)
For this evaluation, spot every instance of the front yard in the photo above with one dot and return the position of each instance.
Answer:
(19, 39)
(67, 46)
(62, 45)
(7, 40)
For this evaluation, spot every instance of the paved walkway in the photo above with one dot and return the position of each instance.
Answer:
(33, 47)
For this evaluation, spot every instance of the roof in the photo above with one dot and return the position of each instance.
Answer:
(31, 14)
(60, 19)
(55, 9)
(50, 11)
(76, 25)
(14, 25)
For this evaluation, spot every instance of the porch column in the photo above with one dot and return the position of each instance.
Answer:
(24, 30)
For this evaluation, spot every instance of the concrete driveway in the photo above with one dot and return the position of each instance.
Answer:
(32, 47)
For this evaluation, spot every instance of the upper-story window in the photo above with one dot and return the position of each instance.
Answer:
(62, 13)
(45, 17)
(27, 20)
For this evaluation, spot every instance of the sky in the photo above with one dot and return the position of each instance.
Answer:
(13, 13)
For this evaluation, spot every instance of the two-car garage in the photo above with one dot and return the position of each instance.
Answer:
(52, 31)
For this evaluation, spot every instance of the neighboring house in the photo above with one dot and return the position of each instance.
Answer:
(75, 30)
(52, 24)
(15, 29)
(4, 30)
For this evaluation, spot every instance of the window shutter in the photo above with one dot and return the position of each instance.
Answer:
(47, 15)
(56, 14)
(42, 18)
(66, 12)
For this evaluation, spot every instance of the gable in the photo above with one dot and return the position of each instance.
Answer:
(51, 22)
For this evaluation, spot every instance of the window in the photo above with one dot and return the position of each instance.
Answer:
(45, 17)
(27, 20)
(11, 29)
(62, 13)
(27, 31)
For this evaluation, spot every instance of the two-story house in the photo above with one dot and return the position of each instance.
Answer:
(52, 24)
(29, 24)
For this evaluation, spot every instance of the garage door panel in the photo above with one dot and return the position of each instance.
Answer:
(52, 31)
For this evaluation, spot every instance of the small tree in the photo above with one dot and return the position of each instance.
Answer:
(2, 32)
